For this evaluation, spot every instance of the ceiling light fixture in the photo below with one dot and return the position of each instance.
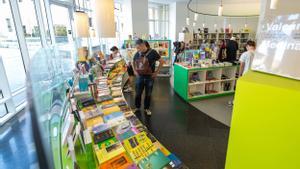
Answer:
(81, 20)
(196, 15)
(220, 10)
(187, 21)
(273, 4)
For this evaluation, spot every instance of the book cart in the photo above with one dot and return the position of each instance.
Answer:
(201, 83)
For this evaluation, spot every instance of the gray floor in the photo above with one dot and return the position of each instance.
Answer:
(17, 148)
(216, 108)
(197, 139)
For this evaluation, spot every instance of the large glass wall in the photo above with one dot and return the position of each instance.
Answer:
(30, 26)
(158, 20)
(11, 54)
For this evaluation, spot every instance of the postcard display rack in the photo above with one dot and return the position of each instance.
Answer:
(163, 47)
(101, 131)
(194, 83)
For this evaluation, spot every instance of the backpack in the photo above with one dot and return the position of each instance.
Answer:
(142, 64)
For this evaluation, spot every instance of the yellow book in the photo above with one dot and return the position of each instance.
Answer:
(94, 121)
(139, 146)
(107, 102)
(110, 110)
(107, 153)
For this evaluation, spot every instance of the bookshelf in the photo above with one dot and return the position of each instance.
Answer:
(241, 38)
(201, 83)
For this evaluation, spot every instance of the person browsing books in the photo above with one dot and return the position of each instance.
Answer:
(114, 53)
(247, 58)
(144, 68)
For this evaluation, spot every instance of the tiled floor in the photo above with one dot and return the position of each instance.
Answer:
(17, 149)
(198, 140)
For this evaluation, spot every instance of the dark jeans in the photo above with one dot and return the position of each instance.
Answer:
(141, 83)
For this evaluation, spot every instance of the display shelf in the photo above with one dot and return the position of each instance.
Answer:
(212, 81)
(201, 83)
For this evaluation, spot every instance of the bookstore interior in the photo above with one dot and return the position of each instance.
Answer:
(222, 77)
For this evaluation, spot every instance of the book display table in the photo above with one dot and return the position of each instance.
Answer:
(101, 131)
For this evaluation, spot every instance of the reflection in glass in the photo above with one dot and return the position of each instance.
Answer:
(30, 26)
(61, 23)
(49, 71)
(9, 49)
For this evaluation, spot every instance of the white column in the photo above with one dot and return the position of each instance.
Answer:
(136, 20)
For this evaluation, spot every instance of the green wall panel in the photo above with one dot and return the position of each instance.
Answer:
(265, 129)
(181, 81)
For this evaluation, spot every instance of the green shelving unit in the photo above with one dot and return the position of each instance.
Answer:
(163, 47)
(203, 83)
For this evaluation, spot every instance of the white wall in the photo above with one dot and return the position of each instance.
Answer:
(140, 17)
(136, 17)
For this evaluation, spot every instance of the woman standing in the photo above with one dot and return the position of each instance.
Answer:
(222, 50)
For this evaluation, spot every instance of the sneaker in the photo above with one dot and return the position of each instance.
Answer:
(148, 112)
(128, 90)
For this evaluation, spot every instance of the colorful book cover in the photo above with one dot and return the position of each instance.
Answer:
(118, 99)
(156, 160)
(110, 110)
(108, 142)
(124, 131)
(113, 116)
(105, 135)
(134, 121)
(105, 154)
(94, 122)
(139, 146)
(107, 102)
(121, 103)
(121, 161)
(165, 151)
(100, 128)
(175, 162)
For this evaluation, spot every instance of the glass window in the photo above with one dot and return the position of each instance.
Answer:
(61, 23)
(150, 13)
(10, 51)
(30, 26)
(19, 98)
(158, 20)
(3, 110)
(45, 20)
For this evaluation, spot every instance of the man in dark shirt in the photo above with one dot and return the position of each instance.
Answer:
(231, 50)
(144, 68)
